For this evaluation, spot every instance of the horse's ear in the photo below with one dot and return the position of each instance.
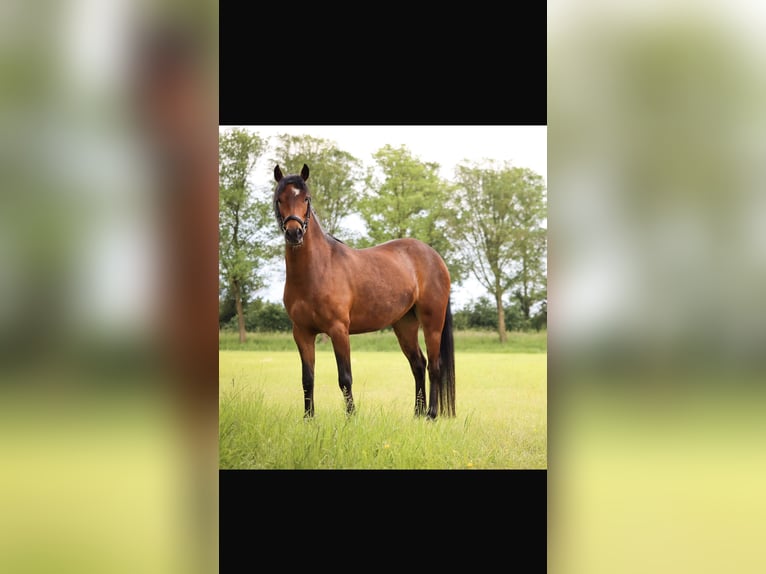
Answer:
(305, 172)
(277, 173)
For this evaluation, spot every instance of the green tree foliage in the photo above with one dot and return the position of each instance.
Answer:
(334, 180)
(261, 317)
(499, 224)
(481, 314)
(240, 253)
(267, 317)
(540, 319)
(477, 314)
(529, 239)
(227, 310)
(407, 198)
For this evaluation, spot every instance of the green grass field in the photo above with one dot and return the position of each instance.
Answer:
(501, 401)
(480, 341)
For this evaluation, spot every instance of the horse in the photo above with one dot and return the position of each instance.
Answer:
(338, 290)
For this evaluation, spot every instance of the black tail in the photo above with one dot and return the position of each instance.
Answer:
(447, 367)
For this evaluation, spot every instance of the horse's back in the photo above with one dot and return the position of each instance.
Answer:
(425, 258)
(422, 261)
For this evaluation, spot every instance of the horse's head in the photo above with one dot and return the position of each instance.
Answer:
(292, 204)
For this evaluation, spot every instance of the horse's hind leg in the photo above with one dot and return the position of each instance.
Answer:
(406, 330)
(432, 333)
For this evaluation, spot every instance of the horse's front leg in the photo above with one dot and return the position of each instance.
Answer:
(342, 347)
(305, 341)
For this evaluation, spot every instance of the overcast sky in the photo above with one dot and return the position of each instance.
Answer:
(524, 146)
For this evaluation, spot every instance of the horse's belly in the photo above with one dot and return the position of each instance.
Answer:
(373, 313)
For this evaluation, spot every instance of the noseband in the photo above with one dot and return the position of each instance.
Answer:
(304, 222)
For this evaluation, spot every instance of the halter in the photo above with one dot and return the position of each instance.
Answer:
(304, 222)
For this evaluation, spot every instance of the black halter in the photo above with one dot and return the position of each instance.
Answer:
(304, 222)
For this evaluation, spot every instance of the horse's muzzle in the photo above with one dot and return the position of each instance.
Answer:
(294, 235)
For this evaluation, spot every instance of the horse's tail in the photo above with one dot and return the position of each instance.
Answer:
(447, 367)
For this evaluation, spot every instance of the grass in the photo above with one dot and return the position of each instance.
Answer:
(501, 420)
(477, 341)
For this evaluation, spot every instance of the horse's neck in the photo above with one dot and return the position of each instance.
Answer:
(311, 256)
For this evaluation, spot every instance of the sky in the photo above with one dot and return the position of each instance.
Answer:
(523, 146)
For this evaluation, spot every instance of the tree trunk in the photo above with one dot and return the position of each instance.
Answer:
(525, 303)
(500, 316)
(240, 311)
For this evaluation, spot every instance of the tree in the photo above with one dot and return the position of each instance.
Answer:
(500, 212)
(334, 175)
(529, 241)
(407, 198)
(481, 314)
(239, 219)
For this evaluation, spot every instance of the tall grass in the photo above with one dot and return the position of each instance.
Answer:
(481, 341)
(501, 417)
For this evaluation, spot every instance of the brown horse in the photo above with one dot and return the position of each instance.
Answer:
(334, 289)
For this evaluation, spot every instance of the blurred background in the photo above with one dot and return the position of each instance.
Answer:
(657, 258)
(657, 262)
(108, 223)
